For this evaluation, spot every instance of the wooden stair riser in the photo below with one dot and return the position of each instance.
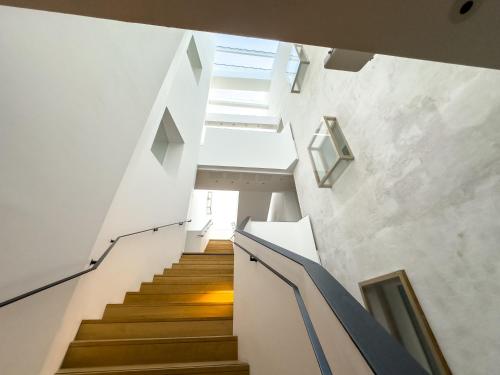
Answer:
(225, 252)
(186, 288)
(206, 263)
(204, 368)
(192, 279)
(209, 257)
(188, 271)
(198, 266)
(128, 352)
(137, 298)
(155, 313)
(100, 330)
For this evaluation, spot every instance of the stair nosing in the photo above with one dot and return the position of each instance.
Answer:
(157, 366)
(156, 340)
(114, 305)
(190, 319)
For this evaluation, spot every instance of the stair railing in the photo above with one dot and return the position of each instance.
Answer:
(383, 354)
(205, 229)
(94, 264)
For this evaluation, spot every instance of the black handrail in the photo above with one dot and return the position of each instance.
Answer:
(94, 264)
(311, 332)
(382, 352)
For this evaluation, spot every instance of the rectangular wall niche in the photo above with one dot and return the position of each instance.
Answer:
(168, 143)
(393, 303)
(194, 59)
(330, 154)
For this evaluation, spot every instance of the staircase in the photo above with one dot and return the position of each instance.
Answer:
(180, 323)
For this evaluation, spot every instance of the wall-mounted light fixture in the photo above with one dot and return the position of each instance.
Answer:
(330, 154)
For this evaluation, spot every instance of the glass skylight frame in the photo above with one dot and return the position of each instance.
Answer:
(255, 49)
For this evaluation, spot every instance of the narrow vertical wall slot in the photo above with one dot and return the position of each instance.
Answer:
(194, 59)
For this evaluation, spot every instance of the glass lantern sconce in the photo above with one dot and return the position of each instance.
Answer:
(296, 67)
(330, 154)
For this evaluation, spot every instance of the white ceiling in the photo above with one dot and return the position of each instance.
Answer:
(424, 29)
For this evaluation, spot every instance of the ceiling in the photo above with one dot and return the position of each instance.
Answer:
(242, 181)
(423, 29)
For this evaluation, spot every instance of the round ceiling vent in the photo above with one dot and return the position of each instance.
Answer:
(464, 9)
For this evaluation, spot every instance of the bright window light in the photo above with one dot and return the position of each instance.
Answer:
(243, 57)
(242, 42)
(232, 110)
(239, 97)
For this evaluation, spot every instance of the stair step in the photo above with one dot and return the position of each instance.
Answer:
(208, 256)
(123, 313)
(138, 298)
(180, 271)
(186, 288)
(208, 368)
(202, 262)
(202, 266)
(219, 251)
(191, 279)
(89, 353)
(105, 330)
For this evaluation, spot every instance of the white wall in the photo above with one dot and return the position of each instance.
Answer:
(271, 333)
(248, 149)
(148, 196)
(196, 241)
(423, 193)
(294, 236)
(267, 321)
(77, 93)
(284, 206)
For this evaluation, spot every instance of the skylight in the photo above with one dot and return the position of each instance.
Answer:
(243, 68)
(244, 57)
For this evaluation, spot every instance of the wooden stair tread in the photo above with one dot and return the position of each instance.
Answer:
(176, 303)
(137, 298)
(155, 288)
(212, 367)
(114, 352)
(198, 272)
(196, 277)
(100, 321)
(157, 340)
(164, 305)
(159, 312)
(186, 327)
(179, 323)
(191, 279)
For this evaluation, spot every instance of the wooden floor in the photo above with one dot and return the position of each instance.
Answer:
(180, 323)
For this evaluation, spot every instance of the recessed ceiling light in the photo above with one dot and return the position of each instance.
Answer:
(464, 9)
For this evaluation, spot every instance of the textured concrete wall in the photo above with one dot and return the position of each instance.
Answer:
(284, 206)
(422, 195)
